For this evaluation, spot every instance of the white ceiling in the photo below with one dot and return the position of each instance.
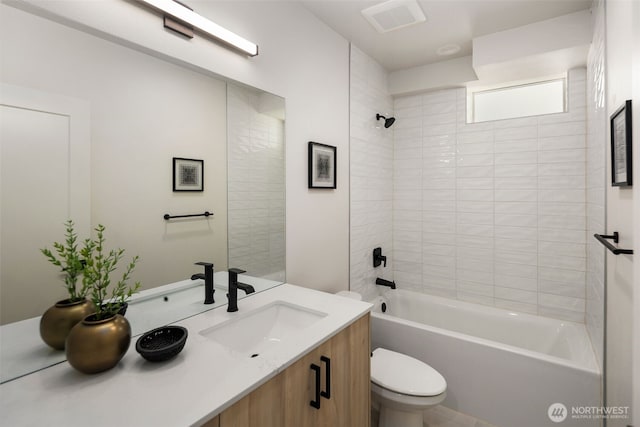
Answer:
(448, 21)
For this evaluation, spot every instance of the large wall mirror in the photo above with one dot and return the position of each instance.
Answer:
(142, 112)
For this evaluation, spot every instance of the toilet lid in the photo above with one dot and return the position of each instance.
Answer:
(404, 374)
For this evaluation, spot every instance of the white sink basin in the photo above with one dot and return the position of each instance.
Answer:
(257, 331)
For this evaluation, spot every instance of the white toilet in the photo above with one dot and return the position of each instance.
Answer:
(403, 387)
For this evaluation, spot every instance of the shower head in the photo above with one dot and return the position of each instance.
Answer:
(387, 121)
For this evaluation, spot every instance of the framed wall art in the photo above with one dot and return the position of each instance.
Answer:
(188, 174)
(621, 147)
(322, 165)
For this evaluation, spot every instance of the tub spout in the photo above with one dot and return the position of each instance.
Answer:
(383, 282)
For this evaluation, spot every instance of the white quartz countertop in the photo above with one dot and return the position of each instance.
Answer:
(199, 383)
(22, 351)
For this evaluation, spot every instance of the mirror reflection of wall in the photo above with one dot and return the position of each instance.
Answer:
(256, 182)
(143, 112)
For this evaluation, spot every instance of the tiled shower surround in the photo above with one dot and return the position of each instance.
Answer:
(371, 174)
(492, 212)
(596, 179)
(499, 213)
(256, 186)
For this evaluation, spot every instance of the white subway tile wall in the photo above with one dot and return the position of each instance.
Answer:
(256, 227)
(377, 184)
(493, 213)
(595, 184)
(498, 213)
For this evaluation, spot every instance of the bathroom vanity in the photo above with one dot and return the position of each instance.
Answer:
(284, 400)
(259, 366)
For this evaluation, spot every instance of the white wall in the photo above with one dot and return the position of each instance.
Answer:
(493, 212)
(540, 49)
(371, 173)
(621, 216)
(557, 33)
(144, 111)
(440, 75)
(302, 60)
(635, 72)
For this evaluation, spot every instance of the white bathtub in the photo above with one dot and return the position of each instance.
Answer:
(502, 367)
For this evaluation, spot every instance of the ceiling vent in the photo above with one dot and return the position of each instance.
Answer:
(394, 14)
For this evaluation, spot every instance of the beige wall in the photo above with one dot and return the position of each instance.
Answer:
(622, 217)
(302, 60)
(144, 111)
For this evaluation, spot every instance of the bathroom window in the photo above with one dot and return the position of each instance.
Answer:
(531, 99)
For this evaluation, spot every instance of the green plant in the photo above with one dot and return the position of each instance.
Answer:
(69, 260)
(100, 263)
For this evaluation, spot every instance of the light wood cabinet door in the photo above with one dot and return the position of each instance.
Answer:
(343, 363)
(348, 355)
(215, 422)
(352, 375)
(263, 407)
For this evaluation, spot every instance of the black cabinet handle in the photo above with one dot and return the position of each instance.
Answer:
(327, 393)
(316, 403)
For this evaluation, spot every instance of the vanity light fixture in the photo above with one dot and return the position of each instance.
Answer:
(189, 17)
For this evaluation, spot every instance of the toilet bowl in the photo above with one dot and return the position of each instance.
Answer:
(403, 387)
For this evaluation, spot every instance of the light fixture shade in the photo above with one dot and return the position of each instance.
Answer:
(187, 16)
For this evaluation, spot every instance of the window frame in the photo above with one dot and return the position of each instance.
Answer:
(471, 96)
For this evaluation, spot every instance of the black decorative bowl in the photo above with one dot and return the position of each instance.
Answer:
(162, 343)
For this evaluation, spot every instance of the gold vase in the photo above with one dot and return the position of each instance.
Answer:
(98, 345)
(58, 320)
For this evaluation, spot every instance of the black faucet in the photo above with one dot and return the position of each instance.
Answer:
(383, 282)
(233, 289)
(208, 281)
(378, 258)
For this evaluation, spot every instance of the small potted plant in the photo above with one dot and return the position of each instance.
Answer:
(100, 340)
(58, 320)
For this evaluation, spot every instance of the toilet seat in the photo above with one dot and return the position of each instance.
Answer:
(405, 375)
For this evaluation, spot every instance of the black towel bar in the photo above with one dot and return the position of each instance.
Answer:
(168, 217)
(602, 238)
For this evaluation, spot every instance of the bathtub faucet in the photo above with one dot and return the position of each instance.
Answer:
(383, 282)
